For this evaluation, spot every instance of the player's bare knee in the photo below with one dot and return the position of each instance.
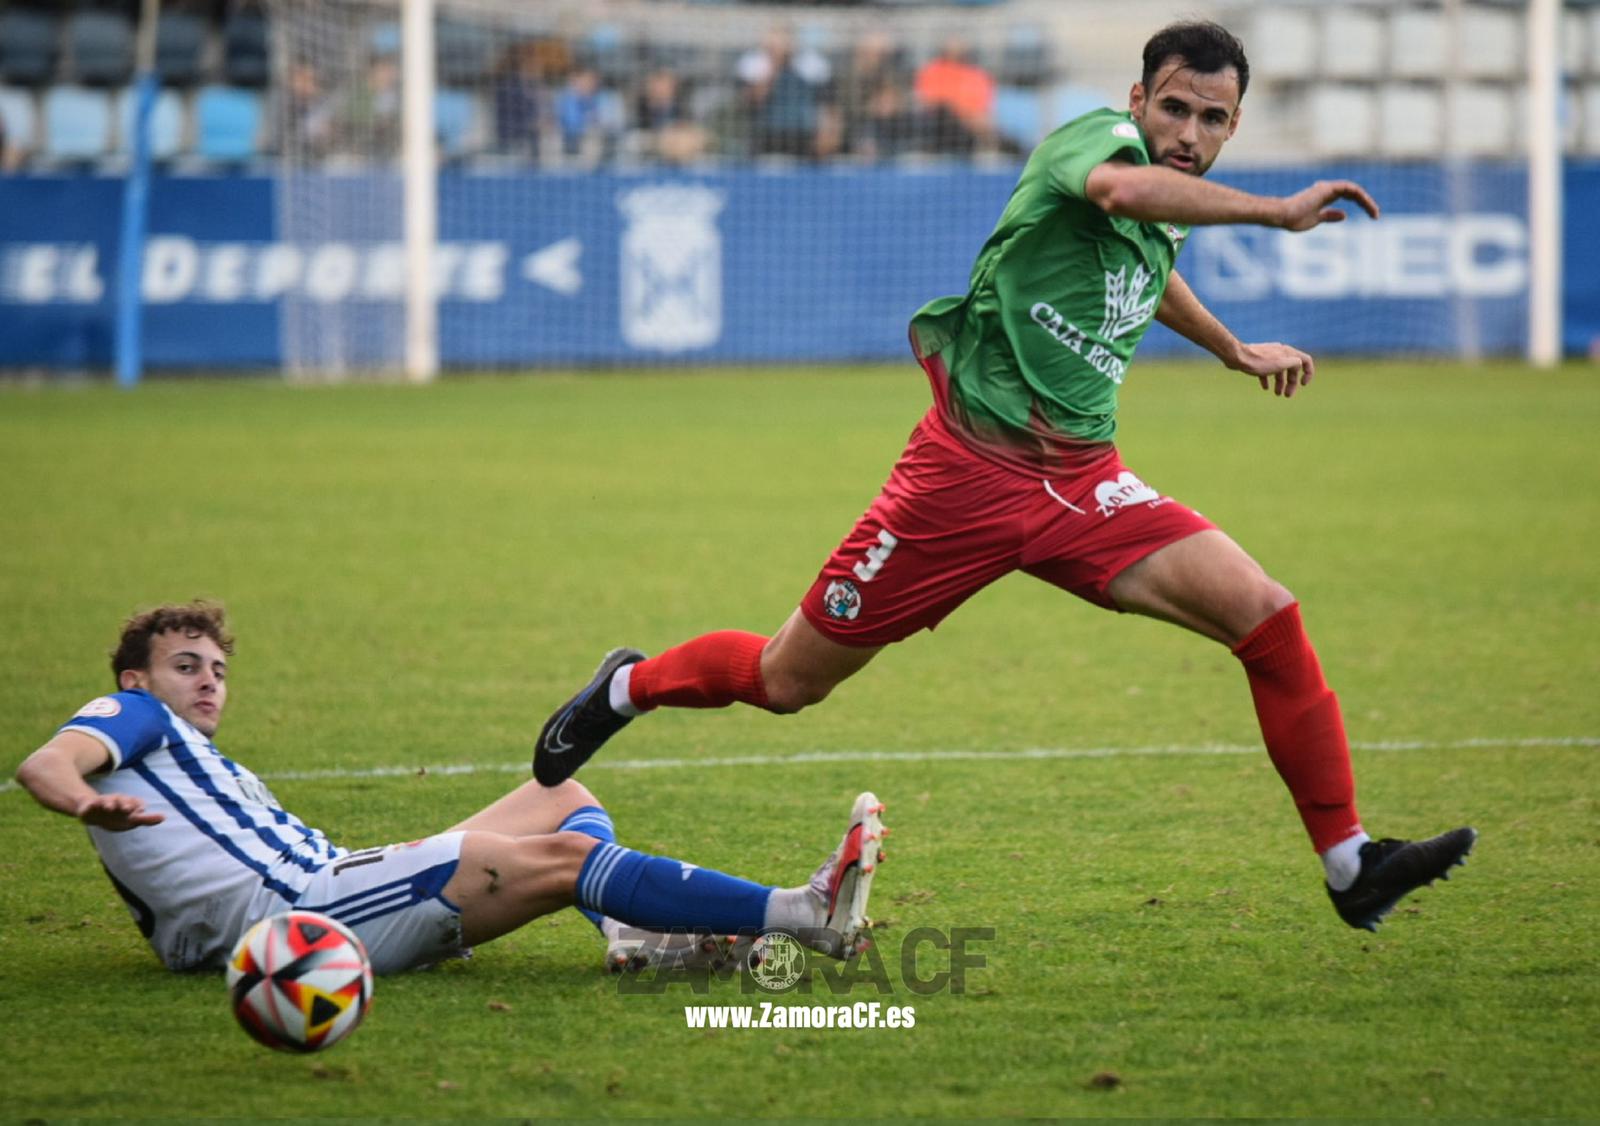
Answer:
(1266, 598)
(574, 795)
(788, 694)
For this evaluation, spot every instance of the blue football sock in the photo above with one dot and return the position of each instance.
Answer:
(658, 893)
(592, 821)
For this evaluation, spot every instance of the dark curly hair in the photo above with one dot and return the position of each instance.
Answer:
(1205, 46)
(196, 619)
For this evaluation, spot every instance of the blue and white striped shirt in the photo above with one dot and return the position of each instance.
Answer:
(227, 851)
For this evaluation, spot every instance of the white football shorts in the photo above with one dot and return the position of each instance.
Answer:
(393, 898)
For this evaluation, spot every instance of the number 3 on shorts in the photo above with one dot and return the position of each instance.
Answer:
(876, 557)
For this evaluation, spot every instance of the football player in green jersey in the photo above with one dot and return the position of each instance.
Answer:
(1014, 468)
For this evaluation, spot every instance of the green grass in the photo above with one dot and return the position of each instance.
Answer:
(418, 575)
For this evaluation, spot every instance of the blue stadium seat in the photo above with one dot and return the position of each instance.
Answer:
(384, 38)
(77, 124)
(227, 124)
(608, 51)
(180, 40)
(244, 49)
(166, 123)
(1019, 116)
(29, 43)
(100, 45)
(455, 117)
(1067, 101)
(21, 118)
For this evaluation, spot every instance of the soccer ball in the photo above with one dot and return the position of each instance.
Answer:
(299, 981)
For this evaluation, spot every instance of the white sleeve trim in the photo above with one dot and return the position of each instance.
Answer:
(107, 741)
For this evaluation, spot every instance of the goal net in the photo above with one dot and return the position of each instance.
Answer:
(650, 182)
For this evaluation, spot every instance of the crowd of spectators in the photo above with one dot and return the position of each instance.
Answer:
(781, 98)
(547, 102)
(598, 96)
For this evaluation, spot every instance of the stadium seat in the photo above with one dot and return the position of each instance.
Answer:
(244, 49)
(100, 45)
(21, 118)
(464, 52)
(610, 53)
(166, 123)
(1418, 44)
(77, 124)
(227, 123)
(1342, 119)
(1575, 42)
(1590, 101)
(1410, 120)
(180, 41)
(1019, 115)
(1067, 101)
(1491, 43)
(384, 39)
(1283, 44)
(1024, 58)
(29, 44)
(1592, 67)
(455, 121)
(1480, 120)
(1352, 43)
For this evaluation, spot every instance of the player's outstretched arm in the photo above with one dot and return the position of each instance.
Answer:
(1152, 193)
(1279, 367)
(54, 775)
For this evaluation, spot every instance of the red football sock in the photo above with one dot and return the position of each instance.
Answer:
(711, 671)
(1301, 725)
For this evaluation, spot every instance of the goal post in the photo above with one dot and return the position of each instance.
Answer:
(1544, 182)
(419, 155)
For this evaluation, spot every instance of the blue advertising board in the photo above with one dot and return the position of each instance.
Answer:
(802, 264)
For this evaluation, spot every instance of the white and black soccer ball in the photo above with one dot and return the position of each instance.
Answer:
(299, 981)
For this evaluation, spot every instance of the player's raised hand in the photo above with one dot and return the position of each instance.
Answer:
(1313, 206)
(117, 812)
(1280, 368)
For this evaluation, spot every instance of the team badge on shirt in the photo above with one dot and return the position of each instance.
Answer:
(842, 600)
(103, 707)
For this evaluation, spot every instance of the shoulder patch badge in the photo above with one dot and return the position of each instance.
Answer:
(1125, 129)
(102, 708)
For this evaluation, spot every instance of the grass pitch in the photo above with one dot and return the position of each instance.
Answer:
(418, 575)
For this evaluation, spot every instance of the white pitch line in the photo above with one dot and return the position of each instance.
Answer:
(802, 758)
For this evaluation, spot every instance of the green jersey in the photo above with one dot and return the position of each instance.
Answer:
(1031, 358)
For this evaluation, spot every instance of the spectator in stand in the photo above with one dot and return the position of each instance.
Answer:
(956, 96)
(305, 122)
(521, 101)
(671, 135)
(879, 121)
(371, 110)
(589, 115)
(786, 94)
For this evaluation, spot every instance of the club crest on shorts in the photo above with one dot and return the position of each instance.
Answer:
(842, 600)
(1113, 496)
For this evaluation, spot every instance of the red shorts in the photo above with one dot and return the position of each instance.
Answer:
(948, 523)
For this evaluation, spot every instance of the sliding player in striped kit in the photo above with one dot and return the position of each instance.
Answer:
(1014, 468)
(200, 849)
